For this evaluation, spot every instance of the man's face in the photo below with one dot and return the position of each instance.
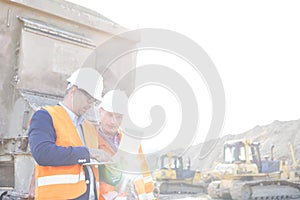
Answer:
(82, 101)
(110, 122)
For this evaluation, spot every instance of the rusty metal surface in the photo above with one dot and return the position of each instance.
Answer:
(72, 12)
(42, 43)
(40, 50)
(7, 174)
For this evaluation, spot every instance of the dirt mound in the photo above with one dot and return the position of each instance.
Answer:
(278, 133)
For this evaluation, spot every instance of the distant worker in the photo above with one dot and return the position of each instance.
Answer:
(113, 107)
(61, 142)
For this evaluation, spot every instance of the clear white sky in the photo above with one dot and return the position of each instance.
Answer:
(255, 46)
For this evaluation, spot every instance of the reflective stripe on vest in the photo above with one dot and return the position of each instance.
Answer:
(60, 179)
(148, 179)
(150, 196)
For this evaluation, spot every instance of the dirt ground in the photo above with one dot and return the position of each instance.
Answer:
(183, 197)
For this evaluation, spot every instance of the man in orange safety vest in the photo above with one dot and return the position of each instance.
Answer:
(112, 108)
(60, 143)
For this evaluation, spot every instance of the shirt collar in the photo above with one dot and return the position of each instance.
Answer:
(108, 136)
(77, 121)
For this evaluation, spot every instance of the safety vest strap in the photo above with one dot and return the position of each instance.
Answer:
(60, 179)
(148, 179)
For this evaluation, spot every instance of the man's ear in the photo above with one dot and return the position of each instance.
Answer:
(101, 111)
(72, 90)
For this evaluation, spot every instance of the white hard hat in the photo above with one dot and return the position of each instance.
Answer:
(115, 101)
(89, 80)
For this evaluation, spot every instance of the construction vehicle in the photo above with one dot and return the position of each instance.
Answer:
(244, 175)
(172, 177)
(42, 43)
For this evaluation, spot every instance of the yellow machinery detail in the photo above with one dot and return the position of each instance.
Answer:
(172, 177)
(244, 175)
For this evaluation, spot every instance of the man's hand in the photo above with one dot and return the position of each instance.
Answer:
(99, 155)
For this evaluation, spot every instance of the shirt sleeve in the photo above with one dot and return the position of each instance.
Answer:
(44, 150)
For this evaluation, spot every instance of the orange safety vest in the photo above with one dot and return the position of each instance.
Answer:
(65, 182)
(144, 184)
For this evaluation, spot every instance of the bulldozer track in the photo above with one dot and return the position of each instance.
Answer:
(273, 189)
(181, 188)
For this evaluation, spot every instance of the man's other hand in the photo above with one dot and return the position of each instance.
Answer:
(99, 155)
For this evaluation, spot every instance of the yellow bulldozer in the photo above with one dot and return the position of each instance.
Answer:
(244, 175)
(174, 177)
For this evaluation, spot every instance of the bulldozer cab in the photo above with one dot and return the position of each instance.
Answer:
(242, 152)
(175, 166)
(171, 162)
